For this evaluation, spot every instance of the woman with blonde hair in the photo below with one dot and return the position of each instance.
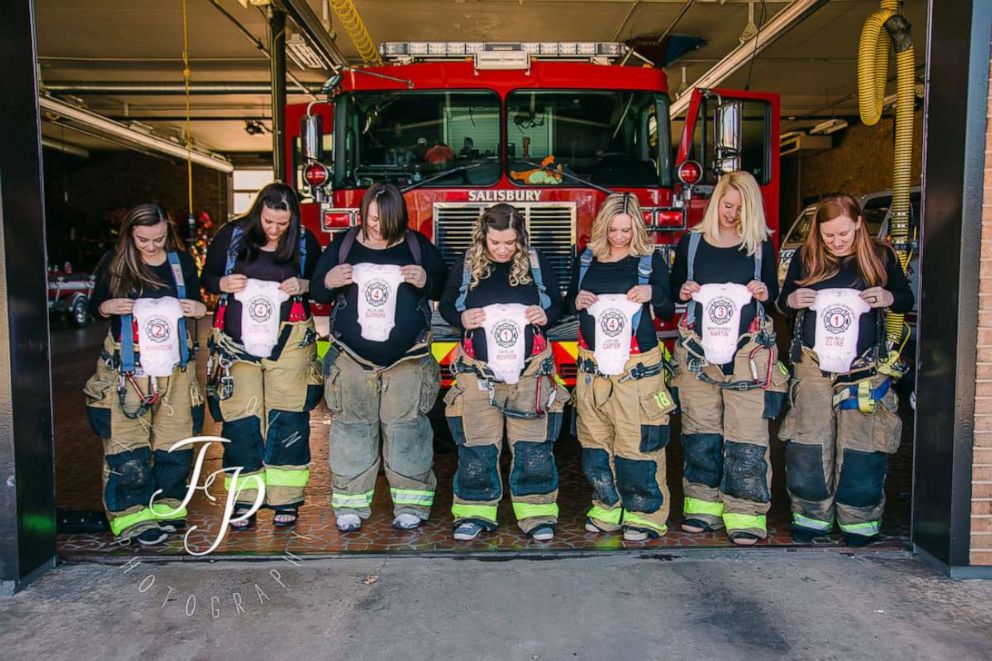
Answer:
(843, 423)
(728, 382)
(622, 404)
(502, 295)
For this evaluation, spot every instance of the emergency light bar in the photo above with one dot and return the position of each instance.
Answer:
(457, 50)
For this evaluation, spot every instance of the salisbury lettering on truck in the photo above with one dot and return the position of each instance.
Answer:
(551, 128)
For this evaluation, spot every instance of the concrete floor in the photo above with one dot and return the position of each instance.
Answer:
(807, 604)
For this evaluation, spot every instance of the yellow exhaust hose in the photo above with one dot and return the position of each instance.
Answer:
(353, 24)
(873, 69)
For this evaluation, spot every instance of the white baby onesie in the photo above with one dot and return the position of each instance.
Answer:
(838, 312)
(614, 326)
(505, 327)
(720, 321)
(377, 287)
(158, 334)
(260, 301)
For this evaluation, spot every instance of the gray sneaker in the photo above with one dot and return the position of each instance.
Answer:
(466, 531)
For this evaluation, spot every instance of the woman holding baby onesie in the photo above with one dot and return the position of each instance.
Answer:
(381, 379)
(144, 396)
(843, 424)
(621, 402)
(263, 378)
(502, 295)
(728, 380)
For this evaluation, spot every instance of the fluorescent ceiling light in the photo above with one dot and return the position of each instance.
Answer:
(302, 54)
(102, 125)
(828, 127)
(778, 25)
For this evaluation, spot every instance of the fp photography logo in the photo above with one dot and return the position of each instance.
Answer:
(239, 600)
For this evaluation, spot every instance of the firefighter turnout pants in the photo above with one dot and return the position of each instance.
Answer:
(137, 460)
(478, 411)
(727, 475)
(836, 456)
(371, 406)
(266, 415)
(622, 426)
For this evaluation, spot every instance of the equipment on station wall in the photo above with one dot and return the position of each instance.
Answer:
(873, 69)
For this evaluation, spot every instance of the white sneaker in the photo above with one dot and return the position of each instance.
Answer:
(543, 533)
(348, 522)
(407, 521)
(634, 535)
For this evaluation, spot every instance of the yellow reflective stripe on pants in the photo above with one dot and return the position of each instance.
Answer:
(119, 524)
(632, 519)
(811, 524)
(744, 521)
(867, 529)
(286, 477)
(529, 510)
(606, 516)
(695, 506)
(246, 482)
(165, 512)
(412, 497)
(483, 512)
(351, 500)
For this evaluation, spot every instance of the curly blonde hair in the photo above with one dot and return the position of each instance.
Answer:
(613, 206)
(498, 217)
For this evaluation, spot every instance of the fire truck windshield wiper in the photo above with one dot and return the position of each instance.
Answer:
(478, 163)
(567, 175)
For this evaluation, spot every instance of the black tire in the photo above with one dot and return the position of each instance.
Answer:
(79, 313)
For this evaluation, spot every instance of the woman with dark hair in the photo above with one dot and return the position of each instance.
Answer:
(844, 422)
(144, 396)
(621, 402)
(381, 379)
(263, 378)
(501, 295)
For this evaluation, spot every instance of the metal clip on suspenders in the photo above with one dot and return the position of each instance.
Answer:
(127, 362)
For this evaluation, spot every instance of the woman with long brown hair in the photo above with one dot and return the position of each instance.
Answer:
(502, 295)
(843, 424)
(263, 378)
(144, 396)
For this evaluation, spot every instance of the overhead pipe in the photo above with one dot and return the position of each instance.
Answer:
(313, 31)
(155, 89)
(782, 22)
(64, 147)
(873, 71)
(277, 47)
(102, 125)
(353, 24)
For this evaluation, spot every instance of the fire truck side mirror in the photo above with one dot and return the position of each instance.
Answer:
(312, 137)
(727, 135)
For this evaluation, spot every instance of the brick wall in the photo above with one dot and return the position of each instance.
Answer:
(860, 162)
(82, 195)
(981, 489)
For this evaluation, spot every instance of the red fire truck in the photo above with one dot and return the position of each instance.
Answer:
(549, 127)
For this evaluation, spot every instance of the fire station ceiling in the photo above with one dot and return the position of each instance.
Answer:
(84, 44)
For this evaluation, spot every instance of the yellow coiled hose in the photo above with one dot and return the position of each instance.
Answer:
(873, 70)
(353, 24)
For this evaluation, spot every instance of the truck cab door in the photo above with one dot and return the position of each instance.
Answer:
(726, 130)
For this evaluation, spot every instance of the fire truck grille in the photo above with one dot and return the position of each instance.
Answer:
(551, 226)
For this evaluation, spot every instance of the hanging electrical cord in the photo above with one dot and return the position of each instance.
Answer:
(754, 56)
(873, 68)
(353, 24)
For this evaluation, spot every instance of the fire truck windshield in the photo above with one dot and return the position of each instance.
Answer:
(409, 137)
(609, 138)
